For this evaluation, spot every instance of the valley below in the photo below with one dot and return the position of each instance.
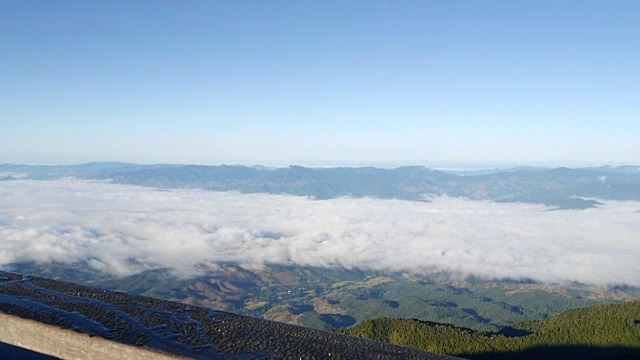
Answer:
(330, 299)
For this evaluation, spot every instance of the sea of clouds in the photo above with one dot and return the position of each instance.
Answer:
(122, 230)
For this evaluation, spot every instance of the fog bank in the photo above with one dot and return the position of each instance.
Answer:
(123, 229)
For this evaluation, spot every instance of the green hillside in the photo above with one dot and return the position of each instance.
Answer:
(602, 331)
(337, 298)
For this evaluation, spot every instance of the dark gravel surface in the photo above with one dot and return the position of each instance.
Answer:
(12, 352)
(181, 329)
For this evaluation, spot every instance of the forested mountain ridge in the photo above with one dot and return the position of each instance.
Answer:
(337, 298)
(562, 187)
(607, 331)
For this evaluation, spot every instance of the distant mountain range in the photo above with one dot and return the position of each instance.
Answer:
(563, 188)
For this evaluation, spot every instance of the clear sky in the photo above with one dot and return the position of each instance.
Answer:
(213, 82)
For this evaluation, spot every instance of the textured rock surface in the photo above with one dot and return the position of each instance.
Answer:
(179, 329)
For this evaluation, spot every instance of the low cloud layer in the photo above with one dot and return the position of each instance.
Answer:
(124, 229)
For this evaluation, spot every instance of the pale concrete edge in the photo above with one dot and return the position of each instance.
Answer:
(68, 344)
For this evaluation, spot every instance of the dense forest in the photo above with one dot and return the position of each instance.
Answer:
(603, 331)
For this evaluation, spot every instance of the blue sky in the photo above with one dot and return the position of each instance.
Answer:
(303, 82)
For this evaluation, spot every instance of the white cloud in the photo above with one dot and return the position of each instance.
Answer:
(111, 225)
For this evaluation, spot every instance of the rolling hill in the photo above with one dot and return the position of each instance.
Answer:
(603, 331)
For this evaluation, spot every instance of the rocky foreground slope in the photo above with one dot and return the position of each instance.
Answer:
(89, 316)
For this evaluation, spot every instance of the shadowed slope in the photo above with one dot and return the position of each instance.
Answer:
(13, 352)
